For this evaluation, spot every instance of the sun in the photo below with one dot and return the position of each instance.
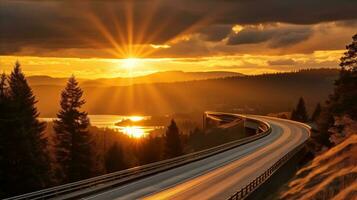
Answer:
(130, 62)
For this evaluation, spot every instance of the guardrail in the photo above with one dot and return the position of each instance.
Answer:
(252, 186)
(95, 184)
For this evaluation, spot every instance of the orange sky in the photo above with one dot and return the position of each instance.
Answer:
(94, 39)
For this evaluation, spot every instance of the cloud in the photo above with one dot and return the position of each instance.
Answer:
(215, 32)
(276, 35)
(56, 25)
(282, 62)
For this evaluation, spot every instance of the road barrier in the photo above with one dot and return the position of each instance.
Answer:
(252, 186)
(107, 181)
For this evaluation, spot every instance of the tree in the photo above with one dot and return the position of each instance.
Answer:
(25, 161)
(73, 143)
(149, 150)
(343, 100)
(173, 145)
(3, 86)
(316, 113)
(3, 116)
(114, 159)
(299, 113)
(324, 122)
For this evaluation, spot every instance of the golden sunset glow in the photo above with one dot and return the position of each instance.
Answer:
(135, 38)
(130, 67)
(130, 62)
(134, 131)
(93, 89)
(136, 118)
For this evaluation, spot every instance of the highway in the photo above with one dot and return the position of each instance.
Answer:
(219, 176)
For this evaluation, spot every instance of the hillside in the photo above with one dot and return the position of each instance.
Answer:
(331, 175)
(260, 94)
(158, 77)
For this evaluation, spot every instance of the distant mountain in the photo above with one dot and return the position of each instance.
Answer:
(46, 80)
(159, 77)
(259, 94)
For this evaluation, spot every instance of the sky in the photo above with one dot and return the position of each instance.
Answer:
(111, 38)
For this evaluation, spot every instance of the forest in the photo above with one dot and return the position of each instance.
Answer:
(259, 94)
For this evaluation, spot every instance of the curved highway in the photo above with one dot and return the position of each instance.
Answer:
(219, 176)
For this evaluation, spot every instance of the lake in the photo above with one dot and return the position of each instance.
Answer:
(109, 121)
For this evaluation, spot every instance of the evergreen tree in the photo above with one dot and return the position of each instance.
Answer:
(114, 159)
(316, 113)
(3, 116)
(3, 87)
(344, 99)
(299, 113)
(324, 122)
(25, 162)
(149, 150)
(173, 144)
(73, 143)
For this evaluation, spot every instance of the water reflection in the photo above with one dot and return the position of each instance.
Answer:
(109, 121)
(134, 131)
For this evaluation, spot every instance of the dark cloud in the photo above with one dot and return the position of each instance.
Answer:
(215, 32)
(55, 24)
(282, 62)
(192, 48)
(277, 36)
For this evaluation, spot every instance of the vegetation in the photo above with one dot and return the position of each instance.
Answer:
(35, 156)
(114, 159)
(73, 148)
(331, 174)
(149, 150)
(260, 94)
(173, 144)
(343, 100)
(342, 103)
(300, 113)
(315, 115)
(24, 160)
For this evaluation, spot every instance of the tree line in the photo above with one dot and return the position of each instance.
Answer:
(26, 161)
(341, 103)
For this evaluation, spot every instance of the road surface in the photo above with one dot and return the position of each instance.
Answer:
(219, 176)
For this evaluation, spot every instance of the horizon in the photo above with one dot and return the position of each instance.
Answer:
(169, 71)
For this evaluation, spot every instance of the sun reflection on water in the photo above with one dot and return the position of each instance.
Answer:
(134, 131)
(136, 118)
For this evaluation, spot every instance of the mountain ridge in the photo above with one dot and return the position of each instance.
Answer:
(260, 94)
(157, 77)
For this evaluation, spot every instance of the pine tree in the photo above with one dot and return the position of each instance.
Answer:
(316, 113)
(343, 101)
(3, 117)
(114, 159)
(25, 160)
(149, 150)
(73, 142)
(299, 113)
(173, 145)
(3, 86)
